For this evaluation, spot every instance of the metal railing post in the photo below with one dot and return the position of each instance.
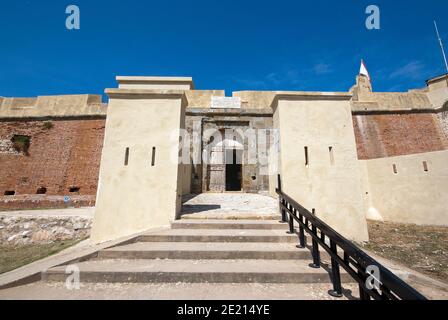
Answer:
(281, 201)
(302, 243)
(315, 251)
(346, 259)
(291, 222)
(363, 295)
(353, 259)
(283, 212)
(336, 274)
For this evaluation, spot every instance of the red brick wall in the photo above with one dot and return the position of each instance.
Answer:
(69, 153)
(387, 135)
(66, 155)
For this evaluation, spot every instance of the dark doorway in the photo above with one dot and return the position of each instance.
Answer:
(233, 170)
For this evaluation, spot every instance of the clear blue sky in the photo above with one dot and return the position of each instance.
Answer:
(231, 45)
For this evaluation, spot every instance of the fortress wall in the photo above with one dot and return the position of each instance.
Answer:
(63, 156)
(140, 182)
(249, 99)
(385, 125)
(318, 161)
(202, 98)
(256, 99)
(438, 94)
(394, 101)
(438, 91)
(395, 134)
(411, 195)
(20, 102)
(52, 106)
(399, 123)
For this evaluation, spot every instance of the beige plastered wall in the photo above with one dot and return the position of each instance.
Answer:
(55, 106)
(333, 188)
(185, 161)
(139, 196)
(412, 195)
(438, 96)
(274, 158)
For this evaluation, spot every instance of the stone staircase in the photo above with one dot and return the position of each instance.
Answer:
(204, 251)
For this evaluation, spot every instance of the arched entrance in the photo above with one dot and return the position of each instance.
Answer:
(233, 165)
(226, 169)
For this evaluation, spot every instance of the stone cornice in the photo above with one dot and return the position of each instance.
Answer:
(146, 94)
(181, 82)
(158, 79)
(310, 96)
(361, 108)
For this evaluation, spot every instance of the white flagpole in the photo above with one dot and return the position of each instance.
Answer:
(441, 46)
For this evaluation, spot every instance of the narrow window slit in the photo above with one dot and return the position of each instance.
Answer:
(425, 166)
(394, 166)
(10, 193)
(153, 157)
(330, 149)
(126, 157)
(307, 160)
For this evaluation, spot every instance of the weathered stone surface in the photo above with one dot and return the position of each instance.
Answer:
(6, 147)
(229, 205)
(20, 230)
(443, 121)
(205, 177)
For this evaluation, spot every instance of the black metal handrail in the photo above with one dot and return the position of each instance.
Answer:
(386, 286)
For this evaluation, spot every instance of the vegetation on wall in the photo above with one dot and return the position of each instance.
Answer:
(48, 125)
(21, 143)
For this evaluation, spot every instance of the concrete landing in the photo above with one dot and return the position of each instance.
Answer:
(229, 206)
(229, 224)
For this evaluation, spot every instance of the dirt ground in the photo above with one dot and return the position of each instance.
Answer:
(421, 248)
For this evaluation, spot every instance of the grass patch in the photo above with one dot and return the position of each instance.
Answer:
(21, 143)
(48, 125)
(421, 248)
(13, 257)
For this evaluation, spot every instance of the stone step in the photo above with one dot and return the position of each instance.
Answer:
(210, 235)
(230, 216)
(176, 291)
(230, 224)
(194, 271)
(206, 250)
